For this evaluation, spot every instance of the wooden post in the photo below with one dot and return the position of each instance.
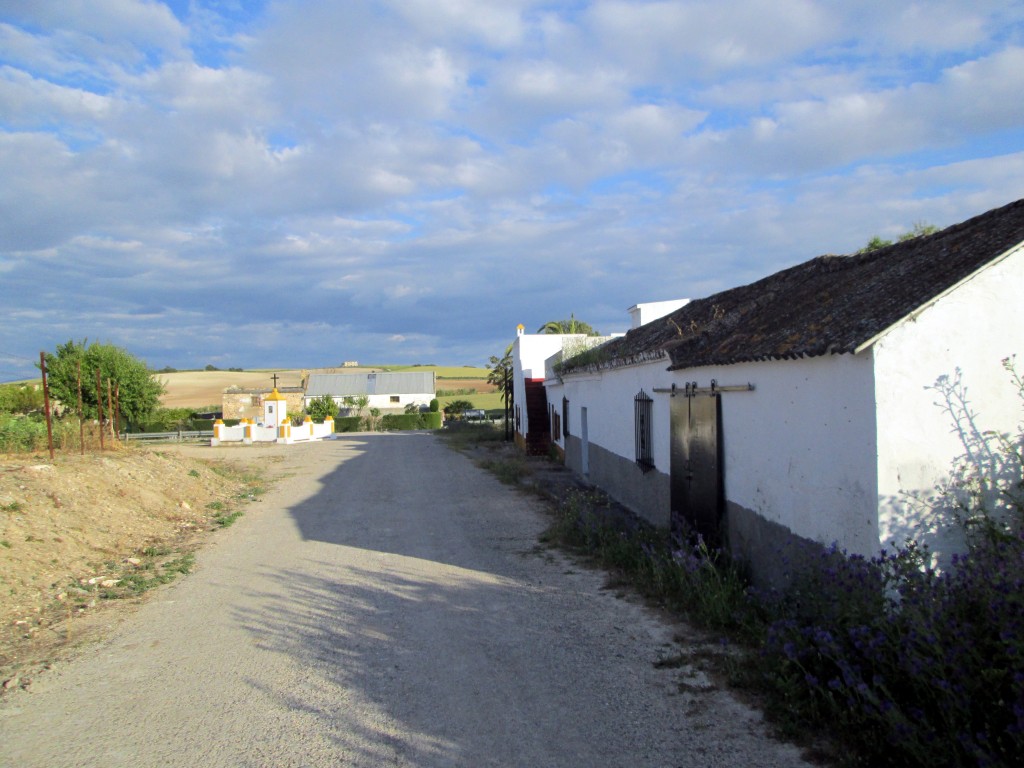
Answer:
(110, 411)
(117, 409)
(46, 403)
(99, 405)
(81, 416)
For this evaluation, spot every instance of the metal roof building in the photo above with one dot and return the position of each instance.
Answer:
(357, 384)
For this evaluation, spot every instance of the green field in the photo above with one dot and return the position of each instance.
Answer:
(489, 401)
(443, 371)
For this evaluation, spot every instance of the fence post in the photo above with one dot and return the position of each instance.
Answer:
(99, 406)
(46, 403)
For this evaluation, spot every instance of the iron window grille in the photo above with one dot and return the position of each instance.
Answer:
(642, 408)
(555, 424)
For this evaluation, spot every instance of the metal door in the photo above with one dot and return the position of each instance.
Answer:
(696, 470)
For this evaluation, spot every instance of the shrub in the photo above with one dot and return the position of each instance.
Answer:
(322, 407)
(456, 408)
(348, 424)
(913, 666)
(21, 398)
(403, 421)
(435, 405)
(24, 434)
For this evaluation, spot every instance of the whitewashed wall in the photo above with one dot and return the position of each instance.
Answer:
(608, 398)
(798, 449)
(384, 401)
(529, 351)
(972, 328)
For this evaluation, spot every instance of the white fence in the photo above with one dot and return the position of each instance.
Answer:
(248, 433)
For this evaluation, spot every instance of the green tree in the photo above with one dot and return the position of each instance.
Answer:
(359, 403)
(321, 407)
(456, 408)
(499, 373)
(21, 398)
(572, 325)
(138, 391)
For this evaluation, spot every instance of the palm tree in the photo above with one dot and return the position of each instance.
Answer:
(572, 325)
(500, 373)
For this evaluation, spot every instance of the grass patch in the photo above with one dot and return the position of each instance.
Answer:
(510, 471)
(14, 506)
(156, 566)
(463, 435)
(226, 519)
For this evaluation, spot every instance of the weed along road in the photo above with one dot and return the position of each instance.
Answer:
(386, 604)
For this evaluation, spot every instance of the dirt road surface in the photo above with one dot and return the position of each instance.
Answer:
(385, 605)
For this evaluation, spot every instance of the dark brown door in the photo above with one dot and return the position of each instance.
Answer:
(696, 465)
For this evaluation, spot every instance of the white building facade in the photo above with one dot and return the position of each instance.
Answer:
(836, 432)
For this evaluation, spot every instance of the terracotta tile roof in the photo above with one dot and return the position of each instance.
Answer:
(830, 304)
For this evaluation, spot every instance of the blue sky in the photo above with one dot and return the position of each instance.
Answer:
(294, 184)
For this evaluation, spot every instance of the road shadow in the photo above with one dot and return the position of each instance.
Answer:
(430, 630)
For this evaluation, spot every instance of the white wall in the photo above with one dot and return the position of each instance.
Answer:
(529, 351)
(608, 398)
(641, 314)
(973, 328)
(384, 401)
(798, 449)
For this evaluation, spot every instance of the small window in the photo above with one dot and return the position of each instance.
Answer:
(256, 401)
(642, 407)
(555, 424)
(565, 417)
(394, 398)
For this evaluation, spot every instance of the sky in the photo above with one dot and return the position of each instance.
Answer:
(285, 184)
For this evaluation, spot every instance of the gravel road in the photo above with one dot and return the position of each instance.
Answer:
(385, 605)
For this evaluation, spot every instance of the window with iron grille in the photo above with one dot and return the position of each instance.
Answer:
(256, 401)
(394, 398)
(642, 408)
(565, 417)
(555, 424)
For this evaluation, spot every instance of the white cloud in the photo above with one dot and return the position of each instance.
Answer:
(365, 167)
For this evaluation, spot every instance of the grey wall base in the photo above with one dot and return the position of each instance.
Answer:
(645, 493)
(770, 552)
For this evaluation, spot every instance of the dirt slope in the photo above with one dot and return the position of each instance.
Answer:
(79, 535)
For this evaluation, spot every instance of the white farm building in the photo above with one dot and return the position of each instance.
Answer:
(815, 405)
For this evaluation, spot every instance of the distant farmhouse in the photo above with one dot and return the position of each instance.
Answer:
(811, 406)
(389, 392)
